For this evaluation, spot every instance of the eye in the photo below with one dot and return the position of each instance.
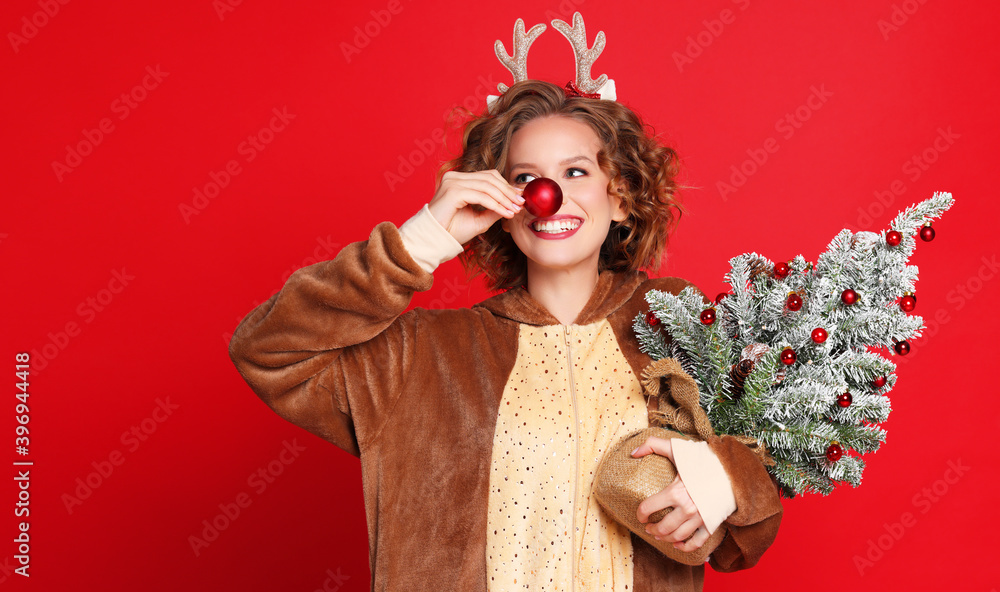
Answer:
(571, 172)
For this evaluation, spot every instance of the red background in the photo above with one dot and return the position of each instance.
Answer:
(321, 183)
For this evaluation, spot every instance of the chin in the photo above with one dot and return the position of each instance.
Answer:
(555, 255)
(555, 264)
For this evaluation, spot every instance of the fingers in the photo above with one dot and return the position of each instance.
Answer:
(683, 525)
(676, 528)
(683, 531)
(467, 204)
(513, 192)
(485, 188)
(673, 496)
(681, 522)
(653, 444)
(695, 542)
(488, 192)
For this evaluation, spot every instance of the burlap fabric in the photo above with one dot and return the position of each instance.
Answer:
(623, 481)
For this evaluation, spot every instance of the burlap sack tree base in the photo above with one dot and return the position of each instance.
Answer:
(623, 481)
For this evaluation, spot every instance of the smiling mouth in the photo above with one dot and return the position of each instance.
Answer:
(556, 226)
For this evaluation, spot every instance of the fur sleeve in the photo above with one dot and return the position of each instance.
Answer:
(754, 525)
(332, 348)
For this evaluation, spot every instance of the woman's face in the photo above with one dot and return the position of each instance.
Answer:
(564, 150)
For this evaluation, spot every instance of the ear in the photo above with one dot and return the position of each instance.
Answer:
(618, 214)
(504, 224)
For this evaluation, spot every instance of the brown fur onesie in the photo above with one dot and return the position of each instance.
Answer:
(479, 429)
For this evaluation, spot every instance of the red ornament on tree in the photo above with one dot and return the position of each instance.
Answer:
(781, 270)
(927, 233)
(794, 302)
(542, 197)
(651, 319)
(722, 296)
(708, 316)
(879, 382)
(893, 238)
(907, 303)
(849, 296)
(834, 452)
(819, 334)
(788, 356)
(844, 399)
(902, 347)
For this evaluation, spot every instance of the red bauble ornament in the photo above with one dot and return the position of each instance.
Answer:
(708, 316)
(722, 296)
(893, 238)
(879, 382)
(844, 399)
(907, 303)
(834, 452)
(542, 197)
(819, 335)
(902, 347)
(849, 296)
(927, 233)
(788, 356)
(794, 302)
(651, 319)
(781, 270)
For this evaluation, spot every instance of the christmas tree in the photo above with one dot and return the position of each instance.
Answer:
(795, 355)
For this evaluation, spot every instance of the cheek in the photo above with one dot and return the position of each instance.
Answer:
(509, 225)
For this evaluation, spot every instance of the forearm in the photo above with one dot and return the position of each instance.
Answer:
(291, 349)
(329, 305)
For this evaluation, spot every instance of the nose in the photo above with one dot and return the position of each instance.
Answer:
(544, 197)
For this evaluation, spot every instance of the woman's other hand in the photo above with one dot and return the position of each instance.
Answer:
(467, 204)
(684, 520)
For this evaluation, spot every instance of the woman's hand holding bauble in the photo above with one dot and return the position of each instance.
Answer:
(467, 204)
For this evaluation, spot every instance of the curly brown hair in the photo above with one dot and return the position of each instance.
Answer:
(631, 157)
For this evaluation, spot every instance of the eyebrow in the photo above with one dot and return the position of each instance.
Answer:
(528, 165)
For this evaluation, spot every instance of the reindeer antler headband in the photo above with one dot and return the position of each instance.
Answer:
(584, 86)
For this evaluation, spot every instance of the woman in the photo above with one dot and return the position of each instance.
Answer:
(479, 430)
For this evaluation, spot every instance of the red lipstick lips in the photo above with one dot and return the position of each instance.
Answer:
(555, 235)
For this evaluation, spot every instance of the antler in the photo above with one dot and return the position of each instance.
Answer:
(517, 63)
(577, 36)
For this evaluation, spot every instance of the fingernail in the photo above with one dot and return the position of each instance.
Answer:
(519, 198)
(634, 451)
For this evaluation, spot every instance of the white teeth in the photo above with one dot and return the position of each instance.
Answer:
(557, 226)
